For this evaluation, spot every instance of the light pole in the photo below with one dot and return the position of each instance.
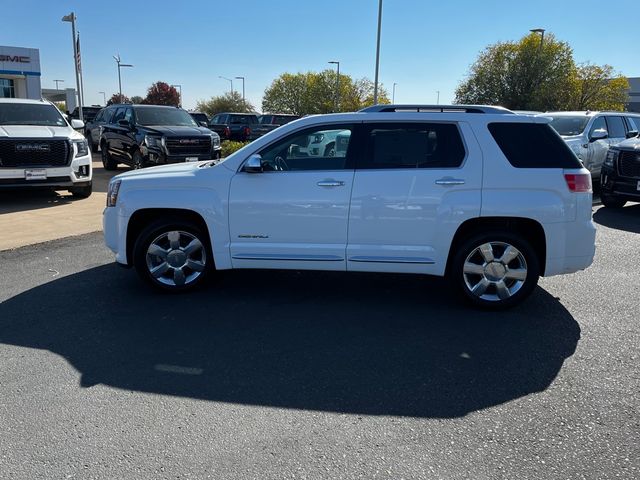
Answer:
(228, 80)
(242, 78)
(393, 94)
(334, 62)
(180, 88)
(438, 97)
(120, 65)
(58, 81)
(104, 97)
(541, 32)
(375, 85)
(72, 19)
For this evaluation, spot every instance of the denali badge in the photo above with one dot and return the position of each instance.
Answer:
(33, 147)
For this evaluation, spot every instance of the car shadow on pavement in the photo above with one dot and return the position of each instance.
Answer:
(353, 343)
(626, 218)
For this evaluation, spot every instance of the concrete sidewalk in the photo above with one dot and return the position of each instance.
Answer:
(29, 216)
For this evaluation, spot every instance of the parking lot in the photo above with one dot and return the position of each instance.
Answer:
(311, 375)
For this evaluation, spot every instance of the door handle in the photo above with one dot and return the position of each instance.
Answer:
(448, 181)
(330, 183)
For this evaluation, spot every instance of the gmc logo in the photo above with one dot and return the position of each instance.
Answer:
(14, 59)
(33, 147)
(186, 141)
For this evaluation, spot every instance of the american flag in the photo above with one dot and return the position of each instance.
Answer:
(78, 60)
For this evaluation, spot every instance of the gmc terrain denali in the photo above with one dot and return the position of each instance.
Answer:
(38, 148)
(143, 135)
(491, 199)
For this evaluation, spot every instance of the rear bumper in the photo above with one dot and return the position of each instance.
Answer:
(571, 247)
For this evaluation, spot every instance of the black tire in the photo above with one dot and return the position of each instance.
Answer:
(158, 233)
(92, 145)
(330, 150)
(82, 192)
(107, 160)
(611, 201)
(138, 161)
(494, 273)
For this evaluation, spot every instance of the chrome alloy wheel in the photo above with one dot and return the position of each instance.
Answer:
(494, 271)
(176, 258)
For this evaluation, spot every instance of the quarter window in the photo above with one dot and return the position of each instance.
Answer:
(323, 148)
(412, 145)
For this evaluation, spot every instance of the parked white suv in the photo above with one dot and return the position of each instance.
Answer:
(590, 134)
(39, 148)
(489, 198)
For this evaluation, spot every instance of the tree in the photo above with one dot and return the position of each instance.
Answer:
(534, 75)
(599, 88)
(137, 100)
(229, 102)
(315, 92)
(116, 98)
(161, 93)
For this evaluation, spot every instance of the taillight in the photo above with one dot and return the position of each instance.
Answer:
(247, 132)
(578, 182)
(226, 133)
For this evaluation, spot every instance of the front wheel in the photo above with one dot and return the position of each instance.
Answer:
(495, 270)
(173, 256)
(611, 201)
(138, 160)
(82, 192)
(107, 160)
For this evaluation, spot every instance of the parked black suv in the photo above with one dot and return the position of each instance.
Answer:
(620, 176)
(144, 135)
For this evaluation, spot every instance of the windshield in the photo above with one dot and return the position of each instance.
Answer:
(569, 125)
(169, 116)
(31, 114)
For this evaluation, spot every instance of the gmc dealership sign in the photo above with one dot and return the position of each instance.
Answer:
(15, 59)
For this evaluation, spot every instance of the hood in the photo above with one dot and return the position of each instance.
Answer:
(173, 170)
(37, 131)
(629, 144)
(170, 131)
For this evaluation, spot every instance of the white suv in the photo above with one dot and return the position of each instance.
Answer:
(39, 148)
(491, 199)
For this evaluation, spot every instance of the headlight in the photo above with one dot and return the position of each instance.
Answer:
(612, 156)
(82, 147)
(112, 192)
(154, 142)
(216, 140)
(318, 138)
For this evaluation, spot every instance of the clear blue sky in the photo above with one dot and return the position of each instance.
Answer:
(426, 45)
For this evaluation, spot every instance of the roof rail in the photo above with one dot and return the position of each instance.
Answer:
(437, 108)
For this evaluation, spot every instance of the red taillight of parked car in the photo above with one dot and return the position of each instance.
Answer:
(226, 133)
(247, 132)
(578, 182)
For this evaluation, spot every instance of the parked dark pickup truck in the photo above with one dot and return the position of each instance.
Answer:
(239, 126)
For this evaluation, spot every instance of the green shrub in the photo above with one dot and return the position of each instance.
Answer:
(230, 146)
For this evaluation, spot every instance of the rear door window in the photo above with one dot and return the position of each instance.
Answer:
(533, 145)
(119, 115)
(412, 145)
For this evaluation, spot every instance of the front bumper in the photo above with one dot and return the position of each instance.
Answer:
(78, 174)
(159, 157)
(622, 187)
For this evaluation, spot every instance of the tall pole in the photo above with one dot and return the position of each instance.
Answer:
(104, 97)
(337, 100)
(72, 18)
(242, 78)
(180, 88)
(58, 81)
(393, 95)
(438, 100)
(120, 65)
(228, 80)
(375, 85)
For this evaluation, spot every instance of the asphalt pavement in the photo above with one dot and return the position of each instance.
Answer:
(275, 374)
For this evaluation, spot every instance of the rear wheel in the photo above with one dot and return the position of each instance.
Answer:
(107, 160)
(138, 161)
(611, 201)
(173, 256)
(495, 270)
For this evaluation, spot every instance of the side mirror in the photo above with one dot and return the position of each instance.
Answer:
(203, 124)
(253, 164)
(632, 133)
(598, 134)
(77, 124)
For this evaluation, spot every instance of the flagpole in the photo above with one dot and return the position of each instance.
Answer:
(72, 18)
(79, 67)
